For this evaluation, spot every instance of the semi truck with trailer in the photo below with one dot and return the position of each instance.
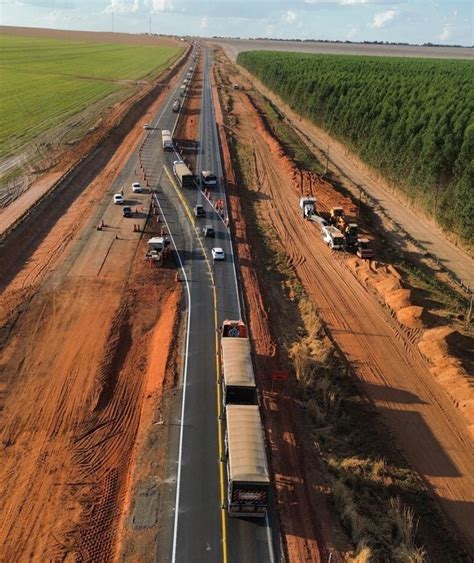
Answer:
(184, 176)
(248, 479)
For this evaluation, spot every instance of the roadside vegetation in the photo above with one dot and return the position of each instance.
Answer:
(382, 504)
(410, 119)
(45, 81)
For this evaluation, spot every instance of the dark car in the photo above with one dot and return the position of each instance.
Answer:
(208, 231)
(127, 211)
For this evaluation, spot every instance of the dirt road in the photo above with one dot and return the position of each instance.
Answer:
(345, 163)
(425, 423)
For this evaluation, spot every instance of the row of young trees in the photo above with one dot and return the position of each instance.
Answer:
(411, 119)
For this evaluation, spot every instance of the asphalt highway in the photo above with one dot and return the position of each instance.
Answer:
(194, 525)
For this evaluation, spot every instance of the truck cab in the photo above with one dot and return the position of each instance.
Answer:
(333, 238)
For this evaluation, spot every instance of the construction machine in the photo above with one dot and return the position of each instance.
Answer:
(351, 234)
(337, 217)
(364, 250)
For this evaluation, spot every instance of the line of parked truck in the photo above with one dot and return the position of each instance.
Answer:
(248, 478)
(337, 232)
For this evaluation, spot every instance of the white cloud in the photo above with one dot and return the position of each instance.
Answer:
(121, 7)
(290, 16)
(135, 6)
(445, 32)
(159, 5)
(351, 2)
(382, 19)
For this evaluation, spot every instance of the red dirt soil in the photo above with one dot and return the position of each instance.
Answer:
(428, 428)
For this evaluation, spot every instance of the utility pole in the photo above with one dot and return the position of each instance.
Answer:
(149, 24)
(327, 160)
(112, 22)
(358, 206)
(469, 314)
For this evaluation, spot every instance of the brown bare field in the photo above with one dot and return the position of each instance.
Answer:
(428, 427)
(234, 46)
(89, 36)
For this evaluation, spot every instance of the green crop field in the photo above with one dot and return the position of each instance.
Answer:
(45, 81)
(411, 119)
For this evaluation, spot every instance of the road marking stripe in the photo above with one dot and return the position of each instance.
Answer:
(185, 376)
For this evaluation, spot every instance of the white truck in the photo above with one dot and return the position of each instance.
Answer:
(308, 207)
(176, 106)
(333, 238)
(166, 140)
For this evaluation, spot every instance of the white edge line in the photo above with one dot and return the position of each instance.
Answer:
(185, 377)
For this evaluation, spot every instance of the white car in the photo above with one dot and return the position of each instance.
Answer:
(136, 188)
(147, 126)
(118, 199)
(218, 254)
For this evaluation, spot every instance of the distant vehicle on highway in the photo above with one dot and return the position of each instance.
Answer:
(183, 174)
(167, 140)
(147, 126)
(217, 254)
(208, 231)
(208, 179)
(199, 211)
(118, 199)
(127, 211)
(136, 188)
(176, 106)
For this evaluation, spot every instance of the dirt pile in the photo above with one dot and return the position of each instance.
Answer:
(438, 346)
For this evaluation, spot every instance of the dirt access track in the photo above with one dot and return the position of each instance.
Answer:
(428, 428)
(81, 313)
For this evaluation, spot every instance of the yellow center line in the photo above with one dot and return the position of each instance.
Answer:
(188, 210)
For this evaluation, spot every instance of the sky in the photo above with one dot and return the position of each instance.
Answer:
(410, 21)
